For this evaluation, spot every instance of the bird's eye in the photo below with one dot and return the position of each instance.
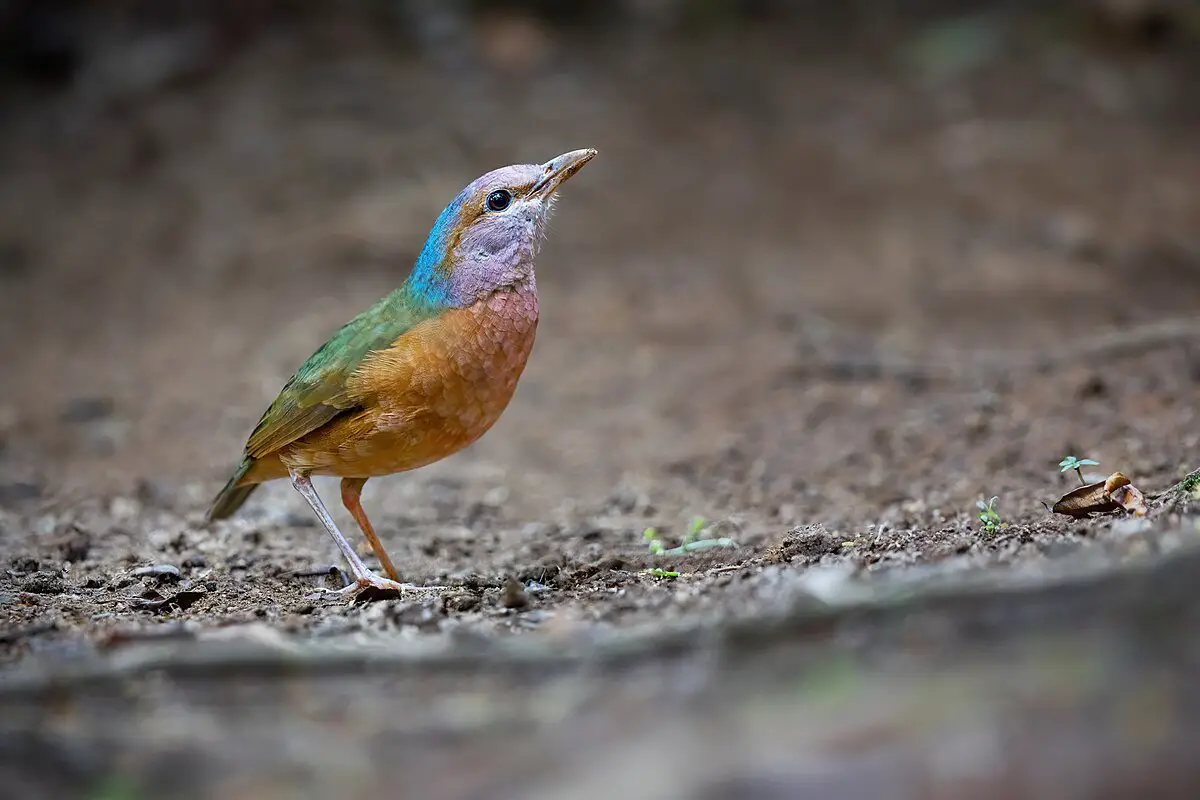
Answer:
(498, 200)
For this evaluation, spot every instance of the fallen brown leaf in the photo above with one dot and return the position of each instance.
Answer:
(1131, 499)
(1102, 497)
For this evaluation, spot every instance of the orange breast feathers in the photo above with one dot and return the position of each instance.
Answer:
(440, 387)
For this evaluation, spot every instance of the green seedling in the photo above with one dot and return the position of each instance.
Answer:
(690, 543)
(703, 544)
(652, 541)
(1077, 464)
(989, 518)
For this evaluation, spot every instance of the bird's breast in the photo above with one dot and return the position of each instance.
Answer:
(440, 387)
(472, 362)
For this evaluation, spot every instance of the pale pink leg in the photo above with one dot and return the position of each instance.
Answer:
(363, 577)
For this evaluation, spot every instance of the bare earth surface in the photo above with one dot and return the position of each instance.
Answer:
(818, 302)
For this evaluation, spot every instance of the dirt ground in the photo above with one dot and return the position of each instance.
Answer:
(818, 301)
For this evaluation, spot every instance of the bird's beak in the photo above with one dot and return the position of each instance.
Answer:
(557, 170)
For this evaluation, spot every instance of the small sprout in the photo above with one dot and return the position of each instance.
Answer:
(655, 544)
(989, 518)
(658, 572)
(1077, 464)
(697, 546)
(690, 543)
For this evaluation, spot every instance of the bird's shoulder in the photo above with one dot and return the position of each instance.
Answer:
(322, 388)
(456, 343)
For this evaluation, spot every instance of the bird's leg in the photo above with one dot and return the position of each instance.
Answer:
(352, 500)
(363, 577)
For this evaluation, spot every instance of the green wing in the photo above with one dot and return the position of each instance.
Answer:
(317, 392)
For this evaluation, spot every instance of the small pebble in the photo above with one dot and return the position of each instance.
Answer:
(165, 573)
(76, 546)
(461, 602)
(514, 594)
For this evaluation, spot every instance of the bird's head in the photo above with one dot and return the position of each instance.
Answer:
(488, 236)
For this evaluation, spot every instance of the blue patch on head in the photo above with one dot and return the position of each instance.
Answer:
(498, 246)
(428, 278)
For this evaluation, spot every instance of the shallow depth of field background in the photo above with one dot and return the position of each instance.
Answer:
(831, 279)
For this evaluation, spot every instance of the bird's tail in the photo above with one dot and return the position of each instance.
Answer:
(230, 499)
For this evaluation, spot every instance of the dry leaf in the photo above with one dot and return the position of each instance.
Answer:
(1091, 498)
(1115, 481)
(1131, 499)
(1102, 497)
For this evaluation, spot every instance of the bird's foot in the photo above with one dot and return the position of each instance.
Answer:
(371, 587)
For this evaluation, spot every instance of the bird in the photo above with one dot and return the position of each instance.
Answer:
(424, 372)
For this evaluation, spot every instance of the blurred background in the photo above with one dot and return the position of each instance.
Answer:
(833, 277)
(195, 194)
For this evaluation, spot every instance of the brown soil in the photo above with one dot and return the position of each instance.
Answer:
(819, 303)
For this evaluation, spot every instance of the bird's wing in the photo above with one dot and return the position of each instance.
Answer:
(318, 391)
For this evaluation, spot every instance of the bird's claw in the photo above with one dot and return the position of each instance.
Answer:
(370, 587)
